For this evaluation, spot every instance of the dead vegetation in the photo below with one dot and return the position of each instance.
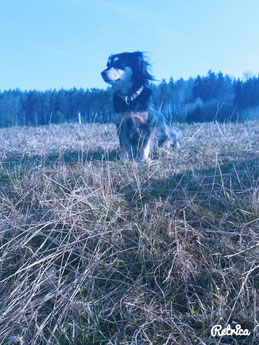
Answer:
(97, 251)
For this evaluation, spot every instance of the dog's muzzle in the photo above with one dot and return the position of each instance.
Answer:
(107, 79)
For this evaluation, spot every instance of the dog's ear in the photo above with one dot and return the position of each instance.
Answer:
(142, 67)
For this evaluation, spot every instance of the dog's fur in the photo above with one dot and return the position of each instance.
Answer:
(140, 128)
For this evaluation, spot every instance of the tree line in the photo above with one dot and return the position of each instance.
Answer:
(212, 97)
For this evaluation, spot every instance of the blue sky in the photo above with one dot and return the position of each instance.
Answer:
(48, 44)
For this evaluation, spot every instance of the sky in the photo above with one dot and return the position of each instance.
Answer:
(47, 44)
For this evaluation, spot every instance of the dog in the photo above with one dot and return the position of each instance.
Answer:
(140, 128)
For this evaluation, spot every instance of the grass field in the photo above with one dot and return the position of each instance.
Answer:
(98, 251)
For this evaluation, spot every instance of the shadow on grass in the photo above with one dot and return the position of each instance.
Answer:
(240, 172)
(216, 190)
(50, 160)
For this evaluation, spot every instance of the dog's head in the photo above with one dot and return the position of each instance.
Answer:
(126, 70)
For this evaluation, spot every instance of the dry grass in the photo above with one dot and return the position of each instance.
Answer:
(97, 251)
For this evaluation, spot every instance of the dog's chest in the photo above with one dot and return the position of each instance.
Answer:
(138, 117)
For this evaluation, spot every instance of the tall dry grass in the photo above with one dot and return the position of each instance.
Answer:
(98, 251)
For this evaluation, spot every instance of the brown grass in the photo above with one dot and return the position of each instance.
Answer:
(97, 251)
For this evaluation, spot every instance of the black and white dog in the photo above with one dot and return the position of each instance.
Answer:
(140, 128)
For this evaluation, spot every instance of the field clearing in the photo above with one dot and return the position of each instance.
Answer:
(98, 251)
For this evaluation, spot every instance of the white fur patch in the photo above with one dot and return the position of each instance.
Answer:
(114, 74)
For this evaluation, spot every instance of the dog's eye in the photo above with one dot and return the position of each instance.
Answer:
(120, 65)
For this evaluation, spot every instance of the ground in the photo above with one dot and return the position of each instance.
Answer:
(99, 251)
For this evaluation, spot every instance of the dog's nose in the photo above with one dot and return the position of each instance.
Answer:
(103, 73)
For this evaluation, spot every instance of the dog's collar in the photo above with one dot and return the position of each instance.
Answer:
(129, 99)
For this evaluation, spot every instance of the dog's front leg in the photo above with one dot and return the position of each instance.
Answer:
(124, 155)
(121, 131)
(145, 149)
(124, 151)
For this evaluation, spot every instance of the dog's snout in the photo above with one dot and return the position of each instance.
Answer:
(103, 73)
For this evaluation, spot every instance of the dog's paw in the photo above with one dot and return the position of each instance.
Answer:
(146, 160)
